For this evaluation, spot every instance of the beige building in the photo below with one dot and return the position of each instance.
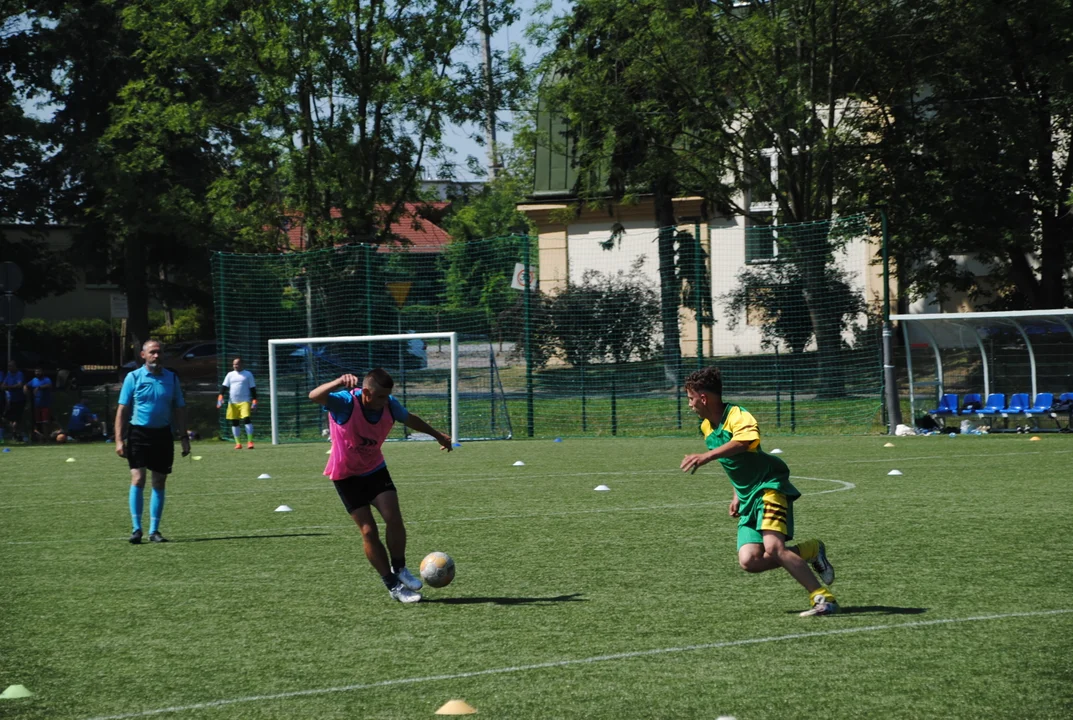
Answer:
(91, 296)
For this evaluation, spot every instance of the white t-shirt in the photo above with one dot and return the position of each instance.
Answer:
(239, 384)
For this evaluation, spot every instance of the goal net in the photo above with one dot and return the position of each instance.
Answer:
(452, 382)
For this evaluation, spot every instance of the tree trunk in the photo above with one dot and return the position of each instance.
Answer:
(668, 289)
(136, 282)
(824, 315)
(1057, 235)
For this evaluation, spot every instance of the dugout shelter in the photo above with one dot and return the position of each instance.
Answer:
(986, 353)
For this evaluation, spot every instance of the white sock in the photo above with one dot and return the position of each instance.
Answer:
(237, 432)
(249, 432)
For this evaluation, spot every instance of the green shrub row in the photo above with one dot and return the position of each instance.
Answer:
(68, 342)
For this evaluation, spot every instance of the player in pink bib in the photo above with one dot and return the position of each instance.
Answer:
(360, 419)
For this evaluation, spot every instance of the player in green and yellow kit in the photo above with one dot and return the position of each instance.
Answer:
(763, 493)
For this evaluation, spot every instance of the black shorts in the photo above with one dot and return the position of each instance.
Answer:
(152, 448)
(357, 491)
(13, 411)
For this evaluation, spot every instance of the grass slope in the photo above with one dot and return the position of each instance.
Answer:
(249, 603)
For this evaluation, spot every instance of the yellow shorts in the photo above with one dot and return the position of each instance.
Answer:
(238, 411)
(774, 512)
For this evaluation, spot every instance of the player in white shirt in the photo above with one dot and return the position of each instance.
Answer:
(241, 391)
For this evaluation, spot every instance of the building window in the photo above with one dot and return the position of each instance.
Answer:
(761, 242)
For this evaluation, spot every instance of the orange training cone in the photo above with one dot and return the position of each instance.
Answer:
(457, 707)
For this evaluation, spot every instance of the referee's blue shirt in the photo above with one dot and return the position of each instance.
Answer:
(153, 395)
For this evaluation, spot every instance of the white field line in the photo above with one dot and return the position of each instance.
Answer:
(514, 516)
(979, 456)
(581, 661)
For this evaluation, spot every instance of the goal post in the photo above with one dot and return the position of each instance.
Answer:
(306, 351)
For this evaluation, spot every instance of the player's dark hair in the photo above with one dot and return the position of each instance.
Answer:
(236, 358)
(380, 378)
(708, 379)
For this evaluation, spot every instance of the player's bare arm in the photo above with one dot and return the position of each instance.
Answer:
(415, 423)
(735, 505)
(320, 394)
(120, 429)
(728, 449)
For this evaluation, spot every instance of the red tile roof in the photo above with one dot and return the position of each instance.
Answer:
(418, 234)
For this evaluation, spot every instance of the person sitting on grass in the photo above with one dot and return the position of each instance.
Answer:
(763, 494)
(84, 424)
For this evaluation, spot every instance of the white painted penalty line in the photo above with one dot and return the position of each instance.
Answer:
(477, 518)
(581, 661)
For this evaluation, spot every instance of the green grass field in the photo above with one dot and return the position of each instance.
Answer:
(956, 581)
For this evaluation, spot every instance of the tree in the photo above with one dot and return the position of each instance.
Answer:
(773, 294)
(973, 154)
(45, 271)
(603, 77)
(124, 159)
(672, 96)
(352, 100)
(487, 241)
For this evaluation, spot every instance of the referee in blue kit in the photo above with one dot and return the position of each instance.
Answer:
(150, 399)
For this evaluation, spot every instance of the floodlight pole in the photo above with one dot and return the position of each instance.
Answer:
(894, 408)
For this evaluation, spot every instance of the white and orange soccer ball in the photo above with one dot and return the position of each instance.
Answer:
(437, 569)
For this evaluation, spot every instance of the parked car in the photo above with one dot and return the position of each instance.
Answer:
(353, 357)
(194, 360)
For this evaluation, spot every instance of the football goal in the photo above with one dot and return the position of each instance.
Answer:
(451, 381)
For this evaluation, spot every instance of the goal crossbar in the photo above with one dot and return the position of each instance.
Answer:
(272, 378)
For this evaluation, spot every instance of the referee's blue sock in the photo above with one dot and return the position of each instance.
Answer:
(135, 498)
(156, 509)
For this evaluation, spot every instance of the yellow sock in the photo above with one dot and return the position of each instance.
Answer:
(827, 595)
(809, 549)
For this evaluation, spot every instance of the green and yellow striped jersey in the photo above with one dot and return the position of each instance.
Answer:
(753, 471)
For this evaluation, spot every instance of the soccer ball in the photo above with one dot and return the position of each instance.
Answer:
(61, 438)
(437, 569)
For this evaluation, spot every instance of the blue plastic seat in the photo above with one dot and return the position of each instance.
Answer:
(994, 405)
(1042, 406)
(948, 405)
(1018, 404)
(971, 404)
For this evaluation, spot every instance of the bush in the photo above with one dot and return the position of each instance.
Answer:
(69, 342)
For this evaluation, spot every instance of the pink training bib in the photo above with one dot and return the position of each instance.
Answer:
(356, 444)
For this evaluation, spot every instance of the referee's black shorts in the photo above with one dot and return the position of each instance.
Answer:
(357, 491)
(152, 448)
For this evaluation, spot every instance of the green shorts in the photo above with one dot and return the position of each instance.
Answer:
(773, 512)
